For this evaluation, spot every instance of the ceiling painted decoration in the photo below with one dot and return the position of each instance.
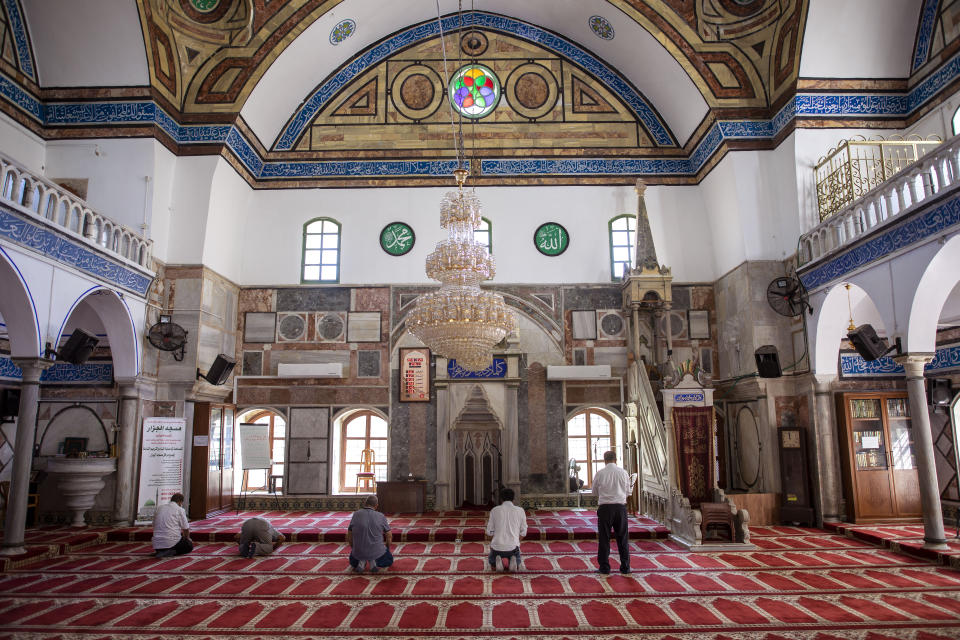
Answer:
(207, 55)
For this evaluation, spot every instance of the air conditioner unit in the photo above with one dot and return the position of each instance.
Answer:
(312, 370)
(583, 372)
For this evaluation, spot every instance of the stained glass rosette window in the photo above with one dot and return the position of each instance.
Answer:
(474, 91)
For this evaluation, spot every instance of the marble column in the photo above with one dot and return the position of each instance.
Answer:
(825, 442)
(16, 518)
(126, 451)
(511, 445)
(443, 494)
(933, 536)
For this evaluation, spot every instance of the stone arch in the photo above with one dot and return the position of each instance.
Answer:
(937, 282)
(120, 327)
(19, 310)
(832, 320)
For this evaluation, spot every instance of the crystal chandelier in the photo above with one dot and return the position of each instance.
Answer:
(460, 321)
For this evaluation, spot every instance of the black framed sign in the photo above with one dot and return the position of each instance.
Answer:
(551, 239)
(397, 238)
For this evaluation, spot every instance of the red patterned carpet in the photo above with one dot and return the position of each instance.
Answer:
(801, 584)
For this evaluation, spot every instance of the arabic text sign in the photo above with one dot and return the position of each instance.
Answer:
(161, 463)
(414, 375)
(551, 239)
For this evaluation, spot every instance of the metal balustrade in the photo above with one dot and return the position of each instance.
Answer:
(931, 174)
(57, 207)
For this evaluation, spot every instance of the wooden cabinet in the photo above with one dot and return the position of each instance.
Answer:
(877, 454)
(211, 468)
(404, 496)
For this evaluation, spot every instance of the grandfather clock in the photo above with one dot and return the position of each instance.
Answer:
(794, 481)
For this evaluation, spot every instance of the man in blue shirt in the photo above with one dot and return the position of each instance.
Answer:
(369, 537)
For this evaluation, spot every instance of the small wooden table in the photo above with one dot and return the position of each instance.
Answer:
(402, 496)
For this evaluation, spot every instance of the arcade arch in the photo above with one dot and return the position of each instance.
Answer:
(18, 311)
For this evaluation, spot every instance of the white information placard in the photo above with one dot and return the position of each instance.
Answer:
(254, 445)
(161, 464)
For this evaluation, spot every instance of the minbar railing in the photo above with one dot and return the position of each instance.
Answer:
(931, 174)
(858, 165)
(61, 209)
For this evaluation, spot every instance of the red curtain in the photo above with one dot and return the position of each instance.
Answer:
(693, 431)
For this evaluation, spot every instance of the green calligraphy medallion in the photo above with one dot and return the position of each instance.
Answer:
(397, 238)
(551, 239)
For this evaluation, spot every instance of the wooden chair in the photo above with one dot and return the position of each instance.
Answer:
(368, 473)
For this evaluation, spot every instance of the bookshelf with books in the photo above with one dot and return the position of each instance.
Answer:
(879, 465)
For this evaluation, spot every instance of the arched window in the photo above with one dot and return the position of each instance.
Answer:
(362, 430)
(590, 434)
(623, 232)
(259, 479)
(956, 121)
(484, 234)
(321, 251)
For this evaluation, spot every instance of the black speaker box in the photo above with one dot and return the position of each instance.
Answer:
(868, 344)
(79, 347)
(939, 393)
(220, 370)
(768, 361)
(9, 403)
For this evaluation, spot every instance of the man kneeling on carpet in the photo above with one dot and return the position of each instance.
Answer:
(507, 524)
(257, 537)
(171, 531)
(369, 537)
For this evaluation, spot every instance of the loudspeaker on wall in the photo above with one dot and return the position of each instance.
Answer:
(79, 347)
(768, 361)
(868, 344)
(219, 371)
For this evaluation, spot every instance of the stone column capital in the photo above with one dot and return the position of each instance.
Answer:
(822, 382)
(129, 387)
(32, 367)
(913, 363)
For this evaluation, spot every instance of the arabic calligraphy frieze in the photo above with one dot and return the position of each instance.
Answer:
(924, 33)
(908, 232)
(59, 248)
(497, 369)
(17, 26)
(593, 65)
(852, 365)
(358, 168)
(63, 373)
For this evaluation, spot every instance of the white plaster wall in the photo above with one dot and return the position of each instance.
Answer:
(276, 224)
(189, 205)
(859, 38)
(719, 193)
(21, 146)
(87, 43)
(117, 170)
(223, 247)
(161, 200)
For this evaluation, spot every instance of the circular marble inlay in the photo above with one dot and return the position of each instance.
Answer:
(601, 27)
(532, 90)
(330, 326)
(292, 327)
(343, 30)
(612, 324)
(417, 91)
(204, 6)
(474, 90)
(474, 43)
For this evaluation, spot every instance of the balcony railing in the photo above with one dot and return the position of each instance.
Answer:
(859, 165)
(933, 173)
(59, 208)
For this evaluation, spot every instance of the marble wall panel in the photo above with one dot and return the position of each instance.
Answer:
(312, 422)
(584, 325)
(259, 326)
(536, 418)
(308, 450)
(616, 357)
(681, 297)
(372, 299)
(252, 363)
(255, 300)
(307, 478)
(363, 326)
(599, 297)
(368, 363)
(313, 299)
(554, 479)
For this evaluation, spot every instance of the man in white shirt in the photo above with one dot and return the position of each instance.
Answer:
(611, 486)
(507, 524)
(171, 531)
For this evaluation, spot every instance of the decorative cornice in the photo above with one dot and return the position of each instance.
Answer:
(59, 373)
(946, 359)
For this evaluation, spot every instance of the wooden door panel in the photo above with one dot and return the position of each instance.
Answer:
(906, 487)
(874, 495)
